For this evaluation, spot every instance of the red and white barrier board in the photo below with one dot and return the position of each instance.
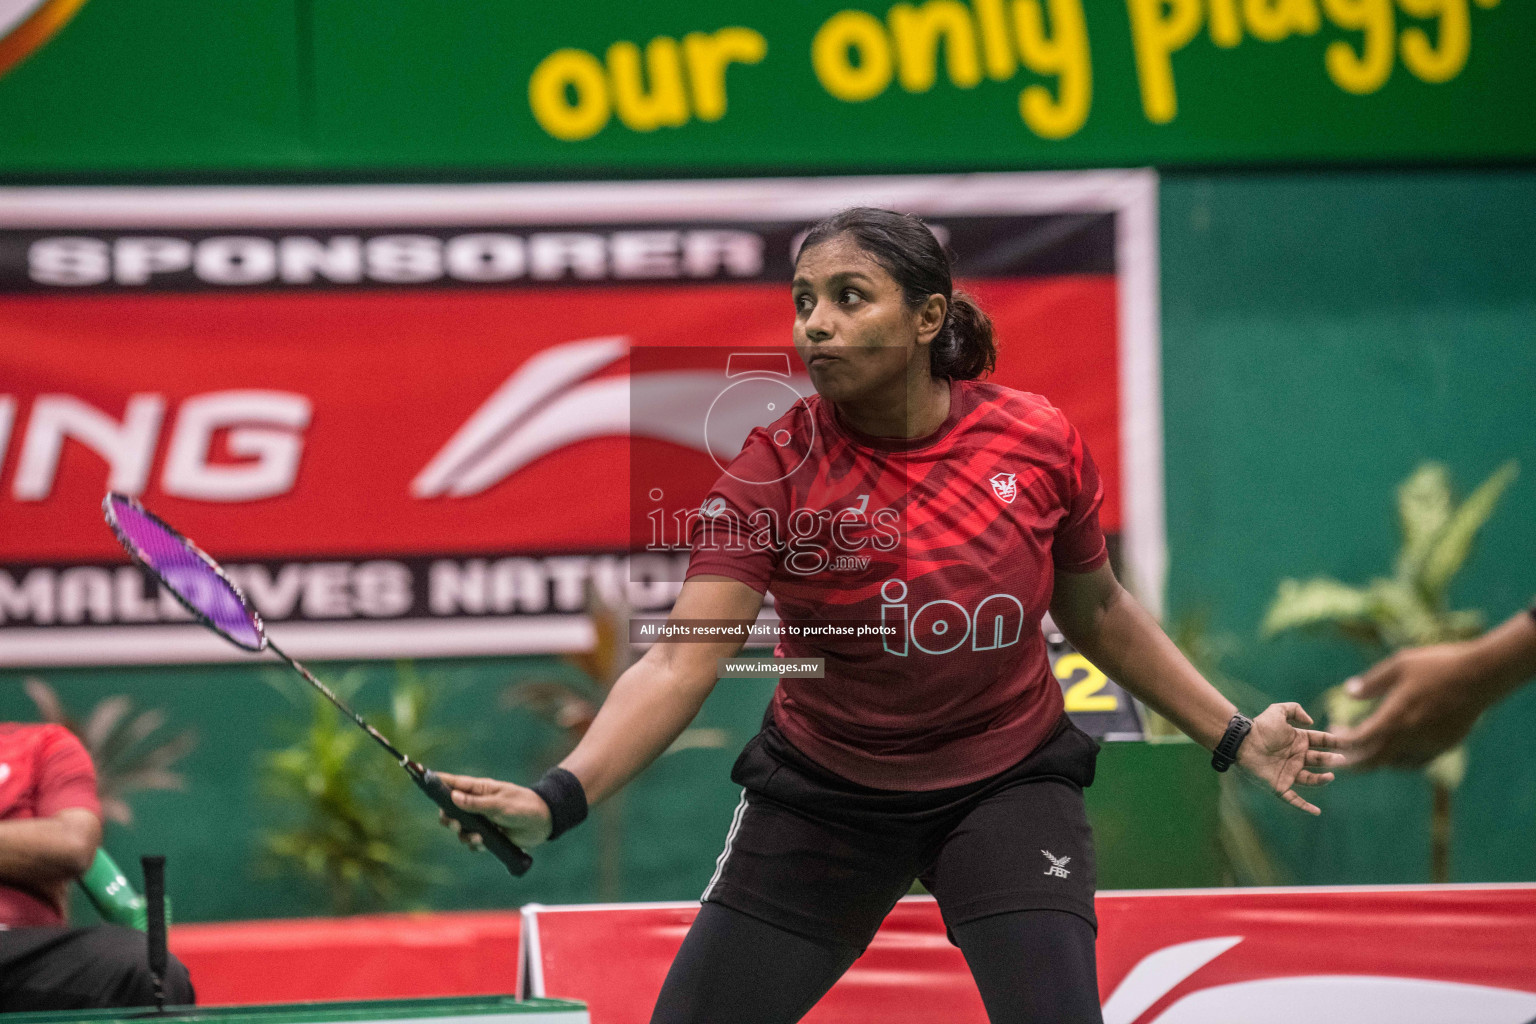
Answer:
(1404, 955)
(417, 421)
(1393, 955)
(375, 956)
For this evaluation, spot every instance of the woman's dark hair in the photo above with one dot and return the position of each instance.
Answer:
(964, 348)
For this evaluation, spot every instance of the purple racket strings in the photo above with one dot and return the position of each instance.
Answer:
(201, 585)
(195, 579)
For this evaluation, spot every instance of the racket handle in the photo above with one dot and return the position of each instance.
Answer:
(506, 851)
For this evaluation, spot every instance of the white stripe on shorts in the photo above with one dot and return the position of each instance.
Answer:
(729, 837)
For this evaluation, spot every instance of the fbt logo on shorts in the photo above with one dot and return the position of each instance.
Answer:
(941, 626)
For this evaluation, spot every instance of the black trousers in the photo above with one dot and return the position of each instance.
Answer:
(825, 858)
(1030, 966)
(813, 863)
(83, 968)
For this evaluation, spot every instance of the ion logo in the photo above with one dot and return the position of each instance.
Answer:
(941, 626)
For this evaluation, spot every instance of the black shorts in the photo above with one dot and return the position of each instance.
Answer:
(817, 855)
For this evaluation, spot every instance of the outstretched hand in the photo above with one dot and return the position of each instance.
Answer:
(1429, 704)
(1284, 756)
(520, 812)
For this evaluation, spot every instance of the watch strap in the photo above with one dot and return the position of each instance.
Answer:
(1225, 753)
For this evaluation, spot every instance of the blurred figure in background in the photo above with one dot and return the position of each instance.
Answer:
(1432, 696)
(50, 827)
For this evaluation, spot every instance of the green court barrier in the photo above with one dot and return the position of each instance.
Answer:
(464, 1010)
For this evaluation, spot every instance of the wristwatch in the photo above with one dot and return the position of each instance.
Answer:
(1225, 753)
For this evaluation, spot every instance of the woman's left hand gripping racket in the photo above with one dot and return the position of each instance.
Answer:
(198, 583)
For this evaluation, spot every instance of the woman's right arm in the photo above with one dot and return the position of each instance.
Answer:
(645, 711)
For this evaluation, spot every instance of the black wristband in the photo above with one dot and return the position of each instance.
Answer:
(566, 799)
(1225, 753)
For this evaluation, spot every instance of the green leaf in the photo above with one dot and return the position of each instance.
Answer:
(1424, 502)
(1451, 548)
(1403, 618)
(1344, 711)
(1250, 859)
(48, 703)
(1447, 770)
(1462, 625)
(1314, 602)
(120, 748)
(103, 722)
(356, 831)
(699, 739)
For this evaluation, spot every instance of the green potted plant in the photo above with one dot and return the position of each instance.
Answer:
(1406, 609)
(350, 825)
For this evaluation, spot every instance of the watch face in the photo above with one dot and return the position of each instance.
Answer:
(745, 405)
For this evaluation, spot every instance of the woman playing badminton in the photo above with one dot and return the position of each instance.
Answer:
(938, 749)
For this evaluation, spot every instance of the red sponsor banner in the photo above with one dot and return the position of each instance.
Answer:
(1404, 955)
(374, 386)
(408, 440)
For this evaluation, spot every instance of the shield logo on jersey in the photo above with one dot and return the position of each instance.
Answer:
(1005, 487)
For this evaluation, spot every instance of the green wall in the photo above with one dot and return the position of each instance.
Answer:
(1322, 334)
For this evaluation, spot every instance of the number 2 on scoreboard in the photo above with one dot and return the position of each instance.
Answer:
(1084, 694)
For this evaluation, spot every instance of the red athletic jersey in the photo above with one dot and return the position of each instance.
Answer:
(43, 769)
(948, 542)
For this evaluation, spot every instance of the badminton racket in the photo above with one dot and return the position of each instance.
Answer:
(203, 589)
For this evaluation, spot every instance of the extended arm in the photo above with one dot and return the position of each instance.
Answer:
(654, 701)
(1432, 696)
(1106, 624)
(648, 707)
(40, 853)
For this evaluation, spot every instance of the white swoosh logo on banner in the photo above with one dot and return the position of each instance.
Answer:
(534, 381)
(1356, 998)
(527, 417)
(27, 25)
(14, 12)
(1360, 999)
(1158, 973)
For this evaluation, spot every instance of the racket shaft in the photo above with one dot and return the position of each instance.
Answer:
(509, 853)
(164, 538)
(340, 704)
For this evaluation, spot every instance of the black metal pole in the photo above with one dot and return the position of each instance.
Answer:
(154, 898)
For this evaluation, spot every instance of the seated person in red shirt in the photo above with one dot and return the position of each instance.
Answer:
(50, 826)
